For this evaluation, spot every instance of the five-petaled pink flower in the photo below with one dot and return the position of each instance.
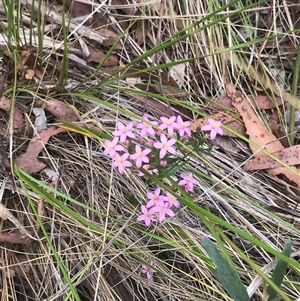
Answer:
(124, 131)
(214, 127)
(121, 162)
(182, 126)
(147, 270)
(171, 200)
(154, 198)
(147, 216)
(188, 181)
(165, 146)
(146, 127)
(169, 124)
(140, 156)
(163, 209)
(112, 147)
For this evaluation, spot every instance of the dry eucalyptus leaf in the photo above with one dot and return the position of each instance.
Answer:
(289, 156)
(97, 56)
(259, 135)
(61, 111)
(28, 161)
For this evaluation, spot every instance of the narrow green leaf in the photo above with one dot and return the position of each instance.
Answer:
(279, 270)
(225, 273)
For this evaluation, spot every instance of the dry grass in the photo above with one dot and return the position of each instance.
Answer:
(104, 262)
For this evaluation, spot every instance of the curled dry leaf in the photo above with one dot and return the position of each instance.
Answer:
(28, 161)
(61, 111)
(259, 135)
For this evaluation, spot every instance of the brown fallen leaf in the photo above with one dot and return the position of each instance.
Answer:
(289, 156)
(18, 119)
(28, 161)
(79, 9)
(14, 238)
(97, 56)
(261, 102)
(140, 30)
(259, 135)
(61, 111)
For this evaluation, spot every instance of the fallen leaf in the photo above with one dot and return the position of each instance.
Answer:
(139, 31)
(14, 238)
(259, 135)
(261, 102)
(18, 119)
(289, 156)
(97, 56)
(28, 161)
(111, 37)
(78, 8)
(61, 111)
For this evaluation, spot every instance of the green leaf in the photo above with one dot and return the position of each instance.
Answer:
(279, 270)
(225, 273)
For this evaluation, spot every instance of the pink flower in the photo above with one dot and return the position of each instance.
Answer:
(153, 198)
(163, 163)
(188, 181)
(182, 126)
(112, 147)
(146, 127)
(121, 162)
(171, 200)
(163, 209)
(214, 127)
(165, 146)
(140, 156)
(147, 270)
(124, 131)
(147, 216)
(169, 124)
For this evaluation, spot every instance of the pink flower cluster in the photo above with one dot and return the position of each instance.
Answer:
(148, 271)
(145, 145)
(141, 156)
